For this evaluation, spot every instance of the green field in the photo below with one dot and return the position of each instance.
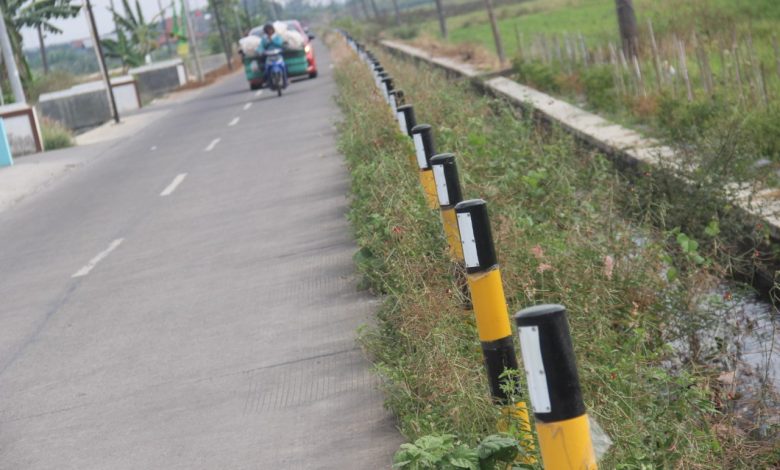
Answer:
(596, 19)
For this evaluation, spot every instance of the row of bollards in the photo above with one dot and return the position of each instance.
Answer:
(561, 420)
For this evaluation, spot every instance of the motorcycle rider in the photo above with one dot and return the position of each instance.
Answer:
(271, 40)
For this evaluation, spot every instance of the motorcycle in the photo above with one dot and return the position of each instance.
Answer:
(275, 70)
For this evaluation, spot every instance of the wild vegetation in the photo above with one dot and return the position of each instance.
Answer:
(569, 229)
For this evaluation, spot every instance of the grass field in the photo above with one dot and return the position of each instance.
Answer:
(596, 19)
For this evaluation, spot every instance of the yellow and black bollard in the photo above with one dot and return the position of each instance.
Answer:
(445, 175)
(554, 387)
(396, 100)
(387, 85)
(406, 119)
(422, 136)
(487, 296)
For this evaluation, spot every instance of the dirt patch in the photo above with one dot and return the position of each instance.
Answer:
(473, 54)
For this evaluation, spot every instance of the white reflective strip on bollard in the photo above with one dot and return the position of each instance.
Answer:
(467, 240)
(420, 149)
(441, 185)
(402, 121)
(534, 369)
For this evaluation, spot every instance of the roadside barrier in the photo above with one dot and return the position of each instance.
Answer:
(422, 136)
(448, 191)
(561, 423)
(406, 120)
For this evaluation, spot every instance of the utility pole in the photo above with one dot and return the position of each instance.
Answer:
(101, 59)
(225, 45)
(442, 19)
(397, 13)
(10, 62)
(164, 27)
(496, 33)
(43, 50)
(628, 28)
(193, 41)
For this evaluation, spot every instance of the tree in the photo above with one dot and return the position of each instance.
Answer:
(135, 38)
(442, 19)
(22, 14)
(628, 28)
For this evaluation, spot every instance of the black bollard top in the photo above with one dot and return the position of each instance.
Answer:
(406, 118)
(445, 173)
(479, 253)
(422, 135)
(550, 366)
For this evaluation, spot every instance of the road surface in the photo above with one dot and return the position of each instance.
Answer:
(188, 300)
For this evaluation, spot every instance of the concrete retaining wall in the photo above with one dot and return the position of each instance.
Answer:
(78, 108)
(158, 79)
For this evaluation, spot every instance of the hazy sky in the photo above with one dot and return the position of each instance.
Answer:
(76, 28)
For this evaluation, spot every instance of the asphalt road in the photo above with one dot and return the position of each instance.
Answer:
(188, 301)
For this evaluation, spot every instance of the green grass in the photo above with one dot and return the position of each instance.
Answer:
(55, 135)
(596, 20)
(560, 216)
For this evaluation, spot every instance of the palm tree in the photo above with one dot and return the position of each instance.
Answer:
(134, 36)
(38, 13)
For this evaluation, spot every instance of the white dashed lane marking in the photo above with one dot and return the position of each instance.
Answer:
(174, 184)
(98, 258)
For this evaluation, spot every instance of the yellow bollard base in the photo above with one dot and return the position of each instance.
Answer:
(487, 296)
(566, 444)
(449, 221)
(517, 416)
(429, 188)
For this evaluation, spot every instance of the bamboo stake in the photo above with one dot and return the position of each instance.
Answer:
(638, 72)
(656, 58)
(737, 71)
(777, 53)
(616, 68)
(684, 68)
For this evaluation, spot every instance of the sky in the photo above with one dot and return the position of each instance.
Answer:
(76, 28)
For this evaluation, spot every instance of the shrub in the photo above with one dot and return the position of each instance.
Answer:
(407, 31)
(55, 135)
(55, 80)
(537, 74)
(599, 86)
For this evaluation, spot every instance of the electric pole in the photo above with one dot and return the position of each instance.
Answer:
(442, 19)
(496, 32)
(225, 45)
(101, 59)
(10, 62)
(43, 51)
(193, 41)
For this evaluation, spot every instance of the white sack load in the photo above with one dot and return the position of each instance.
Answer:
(292, 38)
(249, 45)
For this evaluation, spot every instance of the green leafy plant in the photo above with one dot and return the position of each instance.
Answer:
(444, 452)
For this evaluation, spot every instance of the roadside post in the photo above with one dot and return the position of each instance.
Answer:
(561, 420)
(6, 159)
(445, 175)
(487, 296)
(396, 100)
(387, 87)
(406, 119)
(422, 136)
